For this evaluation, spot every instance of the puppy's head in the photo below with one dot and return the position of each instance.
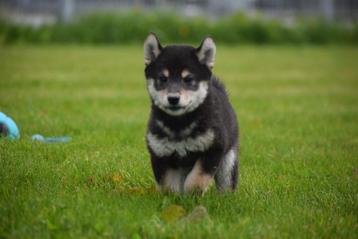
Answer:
(178, 75)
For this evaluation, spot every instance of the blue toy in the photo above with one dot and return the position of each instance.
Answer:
(8, 127)
(39, 137)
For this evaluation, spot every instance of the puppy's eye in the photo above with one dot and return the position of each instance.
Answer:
(162, 79)
(189, 79)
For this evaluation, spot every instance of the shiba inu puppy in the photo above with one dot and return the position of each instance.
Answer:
(192, 132)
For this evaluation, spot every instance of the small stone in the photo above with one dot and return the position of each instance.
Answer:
(199, 213)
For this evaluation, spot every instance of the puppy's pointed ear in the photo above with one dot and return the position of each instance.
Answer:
(152, 48)
(206, 52)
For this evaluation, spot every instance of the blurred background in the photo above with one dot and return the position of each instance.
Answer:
(229, 21)
(75, 68)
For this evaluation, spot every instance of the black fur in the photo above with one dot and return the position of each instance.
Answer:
(214, 113)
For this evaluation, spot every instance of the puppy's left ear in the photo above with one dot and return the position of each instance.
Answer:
(152, 48)
(206, 52)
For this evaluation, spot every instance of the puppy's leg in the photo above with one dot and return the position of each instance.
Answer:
(197, 180)
(227, 173)
(173, 181)
(159, 168)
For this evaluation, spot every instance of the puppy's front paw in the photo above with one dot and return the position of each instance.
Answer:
(197, 181)
(172, 181)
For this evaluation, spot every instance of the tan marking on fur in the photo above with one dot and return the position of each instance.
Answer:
(184, 96)
(185, 73)
(197, 180)
(165, 72)
(163, 93)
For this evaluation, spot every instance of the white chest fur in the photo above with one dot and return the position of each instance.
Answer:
(166, 147)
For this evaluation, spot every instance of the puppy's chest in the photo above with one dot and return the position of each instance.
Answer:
(164, 141)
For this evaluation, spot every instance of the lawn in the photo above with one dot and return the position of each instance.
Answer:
(298, 112)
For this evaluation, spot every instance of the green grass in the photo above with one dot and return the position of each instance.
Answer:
(298, 111)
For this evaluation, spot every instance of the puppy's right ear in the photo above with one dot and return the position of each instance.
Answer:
(206, 52)
(152, 48)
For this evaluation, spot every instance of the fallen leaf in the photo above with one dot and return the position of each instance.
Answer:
(172, 213)
(117, 178)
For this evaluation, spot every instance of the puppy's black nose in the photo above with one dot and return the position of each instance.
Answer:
(173, 100)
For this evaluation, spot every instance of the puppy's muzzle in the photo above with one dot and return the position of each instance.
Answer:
(173, 99)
